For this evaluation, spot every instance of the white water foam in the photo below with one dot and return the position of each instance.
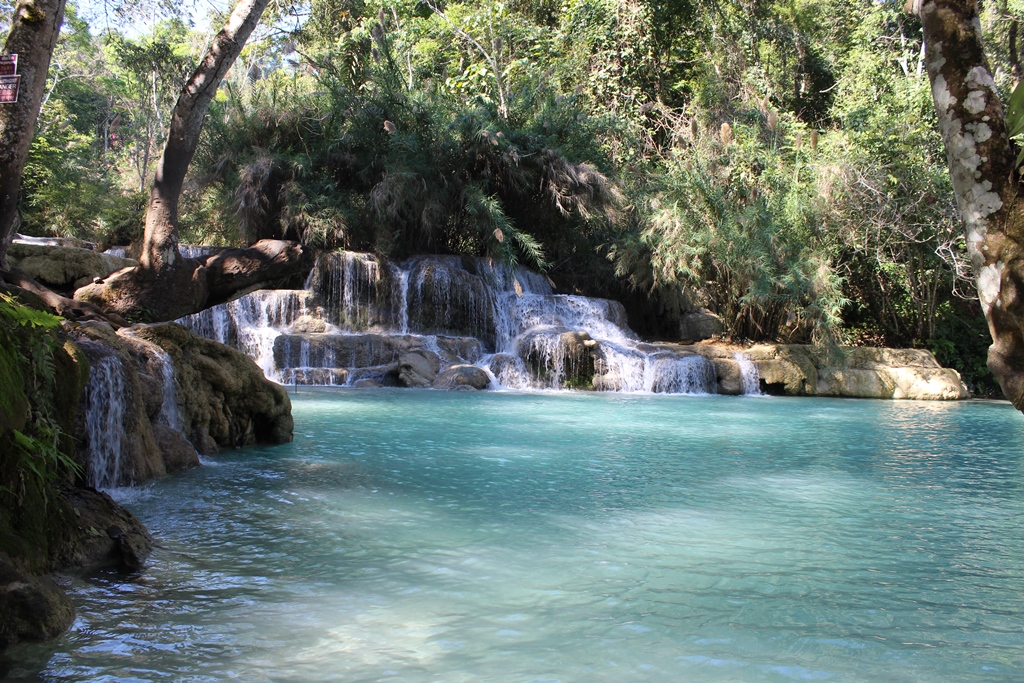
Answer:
(750, 379)
(169, 413)
(104, 418)
(353, 293)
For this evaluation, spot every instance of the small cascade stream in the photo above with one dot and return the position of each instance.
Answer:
(104, 418)
(169, 413)
(359, 318)
(749, 377)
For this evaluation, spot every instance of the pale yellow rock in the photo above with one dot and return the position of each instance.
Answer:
(64, 267)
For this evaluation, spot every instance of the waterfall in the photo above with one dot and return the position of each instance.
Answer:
(401, 277)
(750, 379)
(251, 323)
(358, 314)
(169, 414)
(104, 417)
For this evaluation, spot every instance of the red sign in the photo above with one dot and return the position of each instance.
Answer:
(8, 65)
(9, 89)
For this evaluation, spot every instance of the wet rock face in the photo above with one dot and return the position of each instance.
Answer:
(341, 351)
(225, 401)
(114, 428)
(565, 361)
(444, 298)
(122, 427)
(355, 292)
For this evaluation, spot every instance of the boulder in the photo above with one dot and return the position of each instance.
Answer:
(32, 606)
(64, 268)
(176, 451)
(729, 378)
(462, 377)
(700, 324)
(100, 533)
(418, 368)
(854, 372)
(225, 400)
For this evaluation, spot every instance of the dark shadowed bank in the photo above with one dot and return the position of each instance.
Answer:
(51, 518)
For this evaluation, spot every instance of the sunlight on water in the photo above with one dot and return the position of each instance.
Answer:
(426, 536)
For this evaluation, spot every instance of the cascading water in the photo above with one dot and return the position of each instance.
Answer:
(120, 252)
(749, 377)
(104, 417)
(251, 323)
(358, 315)
(169, 414)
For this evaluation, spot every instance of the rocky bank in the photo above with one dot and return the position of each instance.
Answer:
(126, 405)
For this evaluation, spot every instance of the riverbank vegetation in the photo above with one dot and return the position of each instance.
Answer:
(775, 162)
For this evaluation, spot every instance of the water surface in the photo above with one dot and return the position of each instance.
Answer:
(425, 536)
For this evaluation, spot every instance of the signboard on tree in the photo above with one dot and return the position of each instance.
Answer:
(10, 81)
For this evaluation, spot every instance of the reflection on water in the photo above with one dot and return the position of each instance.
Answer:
(423, 536)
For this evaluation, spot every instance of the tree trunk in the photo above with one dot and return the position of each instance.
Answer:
(985, 180)
(33, 36)
(166, 286)
(160, 244)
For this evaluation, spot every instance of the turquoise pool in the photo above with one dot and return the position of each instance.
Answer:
(426, 536)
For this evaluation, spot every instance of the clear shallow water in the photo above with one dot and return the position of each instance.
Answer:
(426, 536)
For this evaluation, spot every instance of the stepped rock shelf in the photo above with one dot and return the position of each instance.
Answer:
(471, 323)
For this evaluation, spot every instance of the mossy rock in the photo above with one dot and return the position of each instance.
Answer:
(14, 405)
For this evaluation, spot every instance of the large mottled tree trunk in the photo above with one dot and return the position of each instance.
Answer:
(985, 180)
(34, 29)
(166, 286)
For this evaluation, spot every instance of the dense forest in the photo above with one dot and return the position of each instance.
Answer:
(775, 162)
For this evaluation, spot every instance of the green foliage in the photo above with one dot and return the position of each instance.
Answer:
(557, 134)
(400, 170)
(1015, 120)
(29, 336)
(733, 222)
